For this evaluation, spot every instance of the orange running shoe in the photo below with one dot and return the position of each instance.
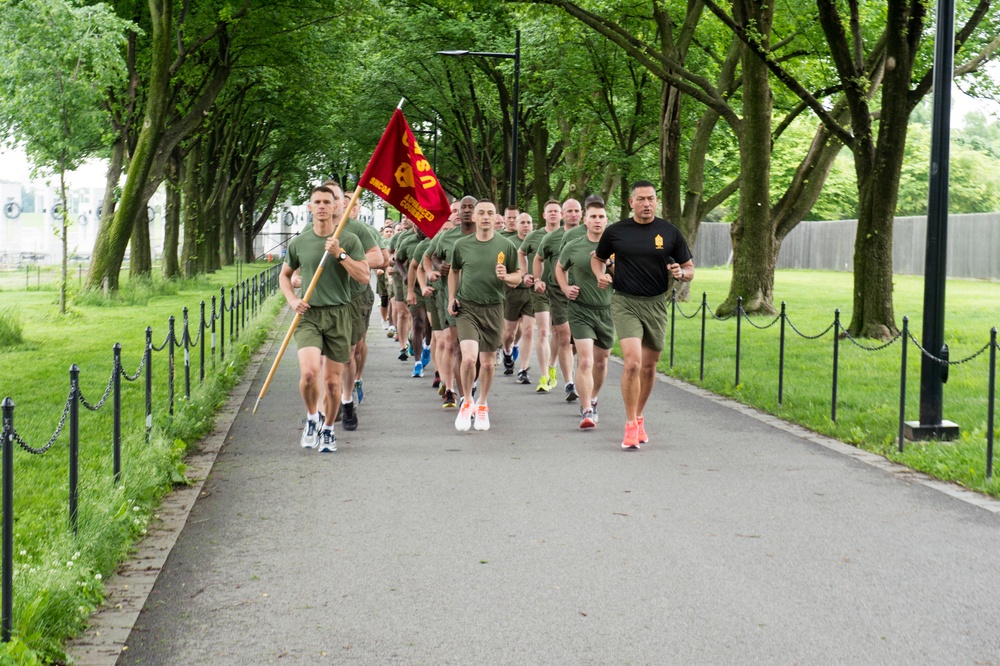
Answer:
(631, 439)
(643, 437)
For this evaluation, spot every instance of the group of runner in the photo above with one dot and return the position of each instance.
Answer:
(486, 291)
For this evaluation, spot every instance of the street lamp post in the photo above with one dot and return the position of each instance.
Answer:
(933, 374)
(516, 55)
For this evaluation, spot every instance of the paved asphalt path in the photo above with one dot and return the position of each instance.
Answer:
(726, 540)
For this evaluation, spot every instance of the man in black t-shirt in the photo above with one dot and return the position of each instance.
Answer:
(645, 251)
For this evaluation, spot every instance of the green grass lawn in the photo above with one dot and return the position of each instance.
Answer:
(57, 574)
(868, 381)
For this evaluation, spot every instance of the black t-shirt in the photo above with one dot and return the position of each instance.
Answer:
(642, 252)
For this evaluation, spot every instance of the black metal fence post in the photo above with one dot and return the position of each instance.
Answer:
(836, 358)
(170, 364)
(149, 381)
(7, 605)
(253, 297)
(222, 325)
(781, 359)
(992, 398)
(74, 445)
(202, 328)
(673, 316)
(704, 311)
(213, 330)
(902, 380)
(739, 328)
(186, 339)
(236, 314)
(116, 415)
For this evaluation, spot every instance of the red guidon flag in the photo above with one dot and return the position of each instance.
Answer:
(399, 173)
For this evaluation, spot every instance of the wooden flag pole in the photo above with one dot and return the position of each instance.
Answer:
(305, 298)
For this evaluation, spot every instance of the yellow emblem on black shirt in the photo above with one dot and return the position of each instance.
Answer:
(659, 242)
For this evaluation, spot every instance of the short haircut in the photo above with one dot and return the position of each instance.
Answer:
(595, 202)
(591, 199)
(550, 202)
(332, 184)
(642, 183)
(512, 208)
(482, 201)
(321, 188)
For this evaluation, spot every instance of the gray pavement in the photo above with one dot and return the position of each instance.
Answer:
(725, 540)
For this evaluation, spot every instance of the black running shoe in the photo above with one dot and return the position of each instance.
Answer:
(522, 377)
(571, 394)
(350, 416)
(402, 354)
(508, 364)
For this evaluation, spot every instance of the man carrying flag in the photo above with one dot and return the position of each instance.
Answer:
(325, 328)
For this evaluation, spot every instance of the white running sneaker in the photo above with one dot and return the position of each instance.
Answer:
(482, 418)
(464, 419)
(327, 441)
(309, 434)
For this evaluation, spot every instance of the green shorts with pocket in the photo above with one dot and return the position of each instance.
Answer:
(593, 323)
(329, 329)
(540, 302)
(558, 306)
(360, 313)
(642, 317)
(433, 306)
(517, 304)
(483, 323)
(398, 288)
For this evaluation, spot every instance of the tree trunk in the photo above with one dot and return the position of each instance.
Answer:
(193, 248)
(110, 200)
(670, 163)
(64, 280)
(141, 259)
(753, 232)
(107, 258)
(540, 154)
(172, 218)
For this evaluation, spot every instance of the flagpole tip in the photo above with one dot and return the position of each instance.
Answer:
(400, 105)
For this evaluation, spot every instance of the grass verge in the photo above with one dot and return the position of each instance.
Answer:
(868, 392)
(57, 574)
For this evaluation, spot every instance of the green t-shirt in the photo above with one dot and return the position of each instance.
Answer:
(548, 250)
(575, 260)
(530, 247)
(335, 286)
(579, 231)
(511, 236)
(478, 261)
(445, 245)
(369, 238)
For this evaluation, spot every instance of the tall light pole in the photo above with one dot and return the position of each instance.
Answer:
(516, 55)
(932, 373)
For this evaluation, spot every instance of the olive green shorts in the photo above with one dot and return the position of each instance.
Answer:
(447, 320)
(540, 302)
(361, 314)
(517, 304)
(483, 323)
(433, 306)
(398, 288)
(329, 329)
(593, 323)
(558, 305)
(381, 286)
(642, 317)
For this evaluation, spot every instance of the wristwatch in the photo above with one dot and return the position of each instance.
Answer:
(683, 275)
(342, 256)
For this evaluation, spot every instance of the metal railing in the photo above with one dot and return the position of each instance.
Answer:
(839, 333)
(245, 298)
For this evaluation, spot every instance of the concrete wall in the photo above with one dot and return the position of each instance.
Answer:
(973, 245)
